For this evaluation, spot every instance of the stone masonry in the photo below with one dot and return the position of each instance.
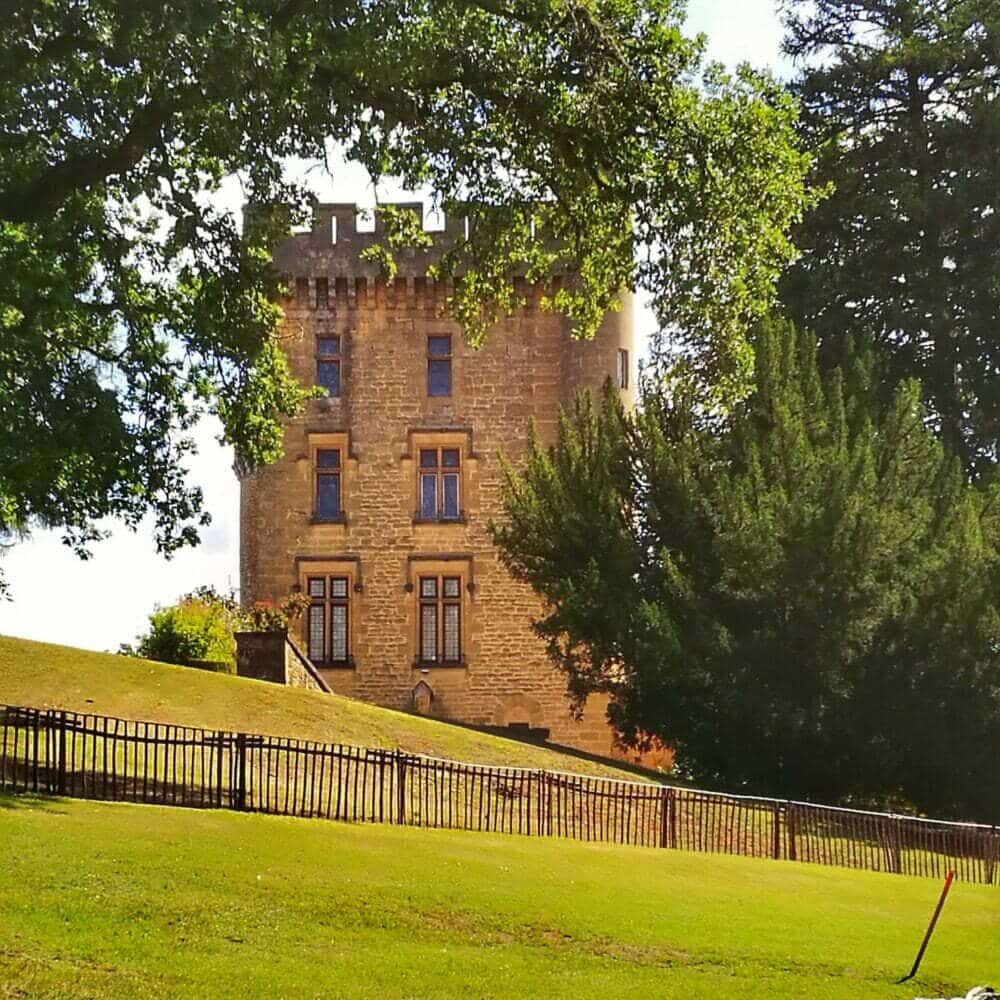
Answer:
(379, 424)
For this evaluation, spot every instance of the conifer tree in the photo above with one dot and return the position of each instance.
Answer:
(799, 597)
(900, 105)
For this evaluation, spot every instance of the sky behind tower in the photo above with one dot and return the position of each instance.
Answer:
(104, 601)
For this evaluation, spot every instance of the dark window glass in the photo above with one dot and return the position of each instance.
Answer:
(428, 496)
(428, 458)
(338, 633)
(449, 502)
(328, 364)
(328, 495)
(328, 376)
(439, 378)
(322, 293)
(317, 632)
(328, 458)
(439, 366)
(428, 632)
(449, 458)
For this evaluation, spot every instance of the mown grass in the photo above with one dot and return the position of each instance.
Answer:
(109, 900)
(43, 675)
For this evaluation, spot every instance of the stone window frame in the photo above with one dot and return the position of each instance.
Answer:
(623, 368)
(459, 439)
(349, 568)
(338, 442)
(440, 471)
(458, 567)
(328, 592)
(439, 594)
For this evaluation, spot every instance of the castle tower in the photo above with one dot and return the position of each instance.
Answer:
(379, 508)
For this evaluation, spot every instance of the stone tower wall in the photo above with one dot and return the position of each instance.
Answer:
(528, 365)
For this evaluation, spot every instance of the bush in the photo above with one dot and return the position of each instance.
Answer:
(196, 631)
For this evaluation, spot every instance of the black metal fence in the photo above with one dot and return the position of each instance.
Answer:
(93, 756)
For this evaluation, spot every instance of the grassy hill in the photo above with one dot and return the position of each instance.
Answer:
(43, 675)
(109, 900)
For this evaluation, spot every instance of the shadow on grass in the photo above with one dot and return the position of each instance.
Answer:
(32, 801)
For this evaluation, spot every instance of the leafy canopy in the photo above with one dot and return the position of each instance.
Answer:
(900, 106)
(130, 303)
(799, 597)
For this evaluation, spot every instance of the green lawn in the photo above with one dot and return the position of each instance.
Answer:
(43, 676)
(111, 900)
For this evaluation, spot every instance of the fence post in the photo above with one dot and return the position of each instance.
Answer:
(219, 770)
(890, 842)
(992, 854)
(545, 800)
(61, 755)
(400, 787)
(666, 809)
(776, 832)
(239, 770)
(793, 854)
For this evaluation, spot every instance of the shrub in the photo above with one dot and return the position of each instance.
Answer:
(195, 631)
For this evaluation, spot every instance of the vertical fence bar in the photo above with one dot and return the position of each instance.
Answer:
(400, 787)
(238, 794)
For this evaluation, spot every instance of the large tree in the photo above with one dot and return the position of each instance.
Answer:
(901, 104)
(130, 303)
(799, 596)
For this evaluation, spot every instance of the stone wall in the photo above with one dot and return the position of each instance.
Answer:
(527, 367)
(274, 657)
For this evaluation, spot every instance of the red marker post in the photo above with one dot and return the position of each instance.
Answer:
(930, 929)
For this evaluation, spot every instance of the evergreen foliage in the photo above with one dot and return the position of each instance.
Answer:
(901, 106)
(800, 596)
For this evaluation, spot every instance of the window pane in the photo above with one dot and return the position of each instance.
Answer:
(452, 646)
(317, 586)
(328, 458)
(326, 346)
(328, 376)
(316, 632)
(328, 494)
(438, 378)
(428, 458)
(449, 458)
(428, 632)
(451, 586)
(338, 632)
(338, 586)
(623, 369)
(450, 500)
(428, 496)
(428, 586)
(439, 346)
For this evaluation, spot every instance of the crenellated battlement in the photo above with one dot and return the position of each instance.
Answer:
(332, 248)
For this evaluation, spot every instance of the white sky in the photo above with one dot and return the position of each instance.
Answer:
(104, 601)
